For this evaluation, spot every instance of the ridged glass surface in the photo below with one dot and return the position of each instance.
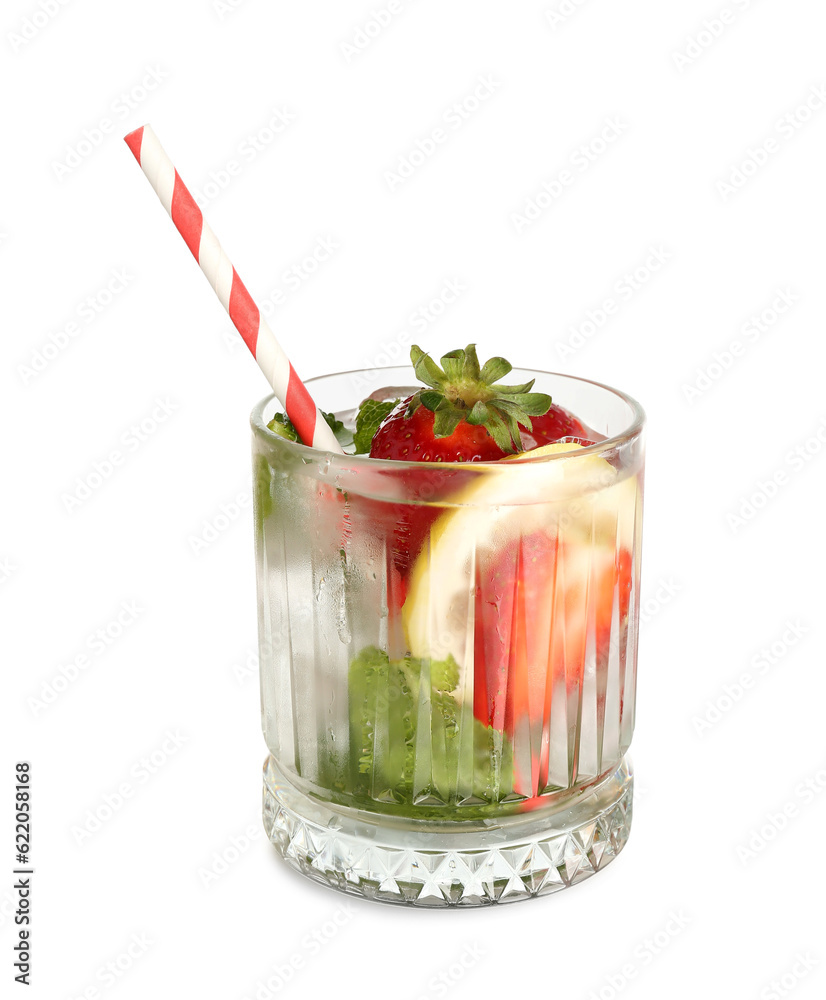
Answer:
(449, 642)
(467, 867)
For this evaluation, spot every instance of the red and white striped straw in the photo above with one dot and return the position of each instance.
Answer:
(312, 428)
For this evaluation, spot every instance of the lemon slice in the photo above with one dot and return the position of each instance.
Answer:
(578, 499)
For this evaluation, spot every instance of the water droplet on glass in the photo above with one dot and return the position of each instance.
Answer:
(342, 624)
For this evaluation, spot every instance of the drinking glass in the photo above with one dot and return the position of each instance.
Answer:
(448, 654)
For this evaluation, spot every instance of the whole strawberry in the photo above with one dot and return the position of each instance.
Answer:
(464, 414)
(558, 424)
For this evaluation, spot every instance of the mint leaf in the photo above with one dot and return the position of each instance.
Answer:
(370, 416)
(262, 484)
(343, 436)
(284, 427)
(385, 707)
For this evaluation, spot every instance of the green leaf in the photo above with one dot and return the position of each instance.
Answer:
(453, 365)
(512, 411)
(264, 504)
(534, 403)
(427, 370)
(479, 413)
(413, 405)
(416, 353)
(385, 699)
(494, 369)
(444, 674)
(371, 414)
(343, 436)
(431, 399)
(470, 368)
(498, 428)
(512, 416)
(511, 390)
(511, 407)
(446, 421)
(283, 427)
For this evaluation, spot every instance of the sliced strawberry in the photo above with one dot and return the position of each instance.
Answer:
(536, 602)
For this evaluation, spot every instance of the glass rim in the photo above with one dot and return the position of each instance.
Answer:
(307, 453)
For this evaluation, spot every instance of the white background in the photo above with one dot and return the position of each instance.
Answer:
(721, 768)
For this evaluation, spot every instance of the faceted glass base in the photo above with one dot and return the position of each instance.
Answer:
(426, 863)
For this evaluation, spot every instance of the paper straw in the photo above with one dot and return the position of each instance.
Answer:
(312, 428)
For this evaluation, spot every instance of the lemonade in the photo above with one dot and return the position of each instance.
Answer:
(448, 644)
